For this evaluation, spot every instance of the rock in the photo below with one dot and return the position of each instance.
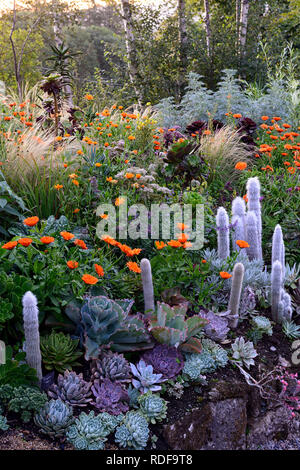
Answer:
(217, 425)
(223, 390)
(274, 425)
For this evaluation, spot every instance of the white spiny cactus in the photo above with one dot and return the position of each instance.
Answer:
(32, 335)
(278, 249)
(222, 221)
(252, 236)
(253, 196)
(238, 231)
(235, 293)
(147, 285)
(276, 287)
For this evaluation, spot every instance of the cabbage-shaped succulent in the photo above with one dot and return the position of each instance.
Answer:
(262, 324)
(165, 360)
(243, 351)
(111, 366)
(133, 432)
(153, 407)
(3, 423)
(110, 397)
(59, 352)
(145, 379)
(169, 325)
(89, 432)
(71, 389)
(106, 321)
(217, 326)
(54, 418)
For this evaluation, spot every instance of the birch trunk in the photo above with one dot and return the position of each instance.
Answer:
(183, 40)
(243, 25)
(237, 21)
(207, 28)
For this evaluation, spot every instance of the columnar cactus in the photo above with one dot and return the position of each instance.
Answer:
(238, 231)
(276, 287)
(222, 221)
(278, 249)
(235, 293)
(253, 195)
(32, 335)
(147, 285)
(285, 307)
(239, 208)
(252, 236)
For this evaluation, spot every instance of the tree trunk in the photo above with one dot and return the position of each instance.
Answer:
(243, 25)
(183, 42)
(133, 68)
(207, 28)
(237, 21)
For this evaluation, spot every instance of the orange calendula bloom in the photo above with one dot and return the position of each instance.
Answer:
(206, 132)
(79, 152)
(242, 244)
(129, 175)
(47, 240)
(182, 227)
(265, 118)
(160, 245)
(9, 245)
(31, 221)
(58, 186)
(119, 201)
(75, 211)
(89, 97)
(67, 235)
(131, 137)
(25, 241)
(72, 264)
(98, 165)
(241, 166)
(99, 270)
(88, 279)
(291, 170)
(174, 243)
(133, 267)
(76, 182)
(204, 261)
(225, 275)
(182, 237)
(104, 216)
(80, 243)
(237, 116)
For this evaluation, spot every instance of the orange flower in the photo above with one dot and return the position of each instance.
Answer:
(31, 221)
(291, 170)
(182, 227)
(79, 152)
(104, 216)
(88, 279)
(241, 166)
(160, 245)
(129, 175)
(25, 241)
(174, 243)
(58, 186)
(80, 243)
(242, 244)
(225, 275)
(265, 118)
(204, 261)
(76, 182)
(133, 267)
(207, 132)
(119, 201)
(106, 144)
(237, 116)
(67, 235)
(75, 211)
(131, 137)
(72, 264)
(182, 237)
(9, 245)
(99, 270)
(89, 97)
(47, 240)
(98, 165)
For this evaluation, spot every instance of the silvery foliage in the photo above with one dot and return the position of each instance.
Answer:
(198, 101)
(243, 352)
(196, 365)
(291, 275)
(133, 431)
(290, 329)
(263, 325)
(248, 303)
(145, 379)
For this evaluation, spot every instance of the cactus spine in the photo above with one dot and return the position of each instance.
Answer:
(278, 249)
(32, 335)
(147, 285)
(222, 221)
(253, 195)
(235, 293)
(252, 236)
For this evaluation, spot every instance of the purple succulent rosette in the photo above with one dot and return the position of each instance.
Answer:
(165, 360)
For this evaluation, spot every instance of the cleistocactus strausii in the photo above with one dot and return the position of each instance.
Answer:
(253, 196)
(147, 286)
(280, 300)
(285, 307)
(238, 231)
(278, 249)
(222, 221)
(235, 293)
(32, 335)
(252, 236)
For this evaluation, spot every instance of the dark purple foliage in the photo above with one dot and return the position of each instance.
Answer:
(171, 136)
(165, 360)
(110, 397)
(198, 127)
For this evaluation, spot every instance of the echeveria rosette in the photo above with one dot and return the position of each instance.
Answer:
(110, 397)
(153, 407)
(145, 379)
(165, 360)
(243, 352)
(133, 431)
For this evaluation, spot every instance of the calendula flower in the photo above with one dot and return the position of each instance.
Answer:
(76, 182)
(129, 175)
(104, 216)
(88, 279)
(241, 166)
(174, 243)
(242, 244)
(73, 175)
(203, 261)
(159, 245)
(119, 201)
(133, 267)
(58, 186)
(182, 227)
(89, 97)
(58, 138)
(9, 245)
(225, 275)
(72, 264)
(291, 170)
(79, 152)
(264, 118)
(98, 165)
(31, 221)
(131, 137)
(67, 235)
(182, 237)
(75, 211)
(99, 270)
(237, 116)
(47, 240)
(25, 241)
(80, 243)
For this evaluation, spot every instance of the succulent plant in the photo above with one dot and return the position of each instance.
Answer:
(133, 394)
(145, 379)
(290, 329)
(111, 366)
(106, 322)
(71, 389)
(235, 293)
(3, 423)
(211, 357)
(168, 325)
(133, 432)
(153, 407)
(89, 432)
(243, 351)
(32, 334)
(222, 224)
(248, 302)
(59, 352)
(166, 360)
(263, 324)
(54, 418)
(217, 326)
(110, 397)
(23, 400)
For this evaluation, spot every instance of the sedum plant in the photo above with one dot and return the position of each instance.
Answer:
(165, 360)
(111, 366)
(145, 379)
(59, 352)
(54, 418)
(110, 397)
(22, 400)
(133, 431)
(89, 432)
(243, 352)
(153, 407)
(71, 389)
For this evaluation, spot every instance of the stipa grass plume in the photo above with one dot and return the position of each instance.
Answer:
(222, 150)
